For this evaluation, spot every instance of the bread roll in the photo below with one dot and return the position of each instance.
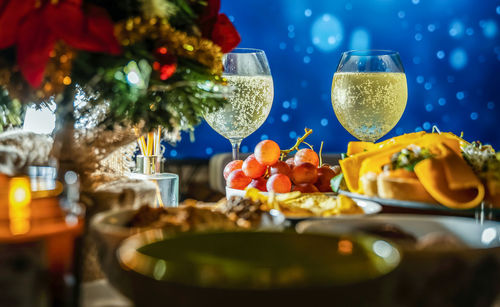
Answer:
(369, 184)
(402, 187)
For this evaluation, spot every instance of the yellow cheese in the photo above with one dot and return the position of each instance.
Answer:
(450, 180)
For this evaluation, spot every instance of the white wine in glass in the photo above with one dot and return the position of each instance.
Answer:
(369, 93)
(249, 103)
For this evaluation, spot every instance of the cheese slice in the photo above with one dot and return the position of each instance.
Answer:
(351, 166)
(450, 180)
(357, 147)
(377, 155)
(374, 163)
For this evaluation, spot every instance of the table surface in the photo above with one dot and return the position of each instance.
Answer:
(100, 293)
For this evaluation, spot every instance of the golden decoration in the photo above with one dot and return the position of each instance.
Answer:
(128, 32)
(181, 44)
(56, 77)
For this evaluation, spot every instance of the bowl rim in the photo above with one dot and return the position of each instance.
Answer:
(98, 223)
(302, 227)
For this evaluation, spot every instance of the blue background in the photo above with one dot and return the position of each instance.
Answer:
(450, 50)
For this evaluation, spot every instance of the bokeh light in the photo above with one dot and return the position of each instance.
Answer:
(450, 51)
(490, 28)
(458, 58)
(456, 29)
(327, 33)
(360, 39)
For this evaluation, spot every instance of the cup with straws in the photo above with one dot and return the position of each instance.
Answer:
(150, 167)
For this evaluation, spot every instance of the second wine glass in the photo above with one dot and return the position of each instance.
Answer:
(369, 92)
(247, 72)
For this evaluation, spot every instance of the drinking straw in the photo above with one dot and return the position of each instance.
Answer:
(153, 148)
(150, 144)
(158, 143)
(140, 141)
(143, 145)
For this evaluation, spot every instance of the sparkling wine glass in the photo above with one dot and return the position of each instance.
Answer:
(249, 103)
(369, 92)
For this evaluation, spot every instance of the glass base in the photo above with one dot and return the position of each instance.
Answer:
(167, 187)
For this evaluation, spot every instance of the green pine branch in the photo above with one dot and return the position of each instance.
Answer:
(11, 111)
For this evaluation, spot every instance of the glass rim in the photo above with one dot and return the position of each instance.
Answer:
(370, 52)
(245, 51)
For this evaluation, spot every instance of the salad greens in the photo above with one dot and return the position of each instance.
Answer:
(409, 157)
(483, 160)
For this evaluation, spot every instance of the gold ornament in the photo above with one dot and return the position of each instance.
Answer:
(179, 43)
(56, 77)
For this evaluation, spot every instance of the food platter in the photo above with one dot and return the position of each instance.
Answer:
(424, 171)
(412, 204)
(368, 207)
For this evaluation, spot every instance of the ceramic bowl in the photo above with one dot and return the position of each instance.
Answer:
(249, 268)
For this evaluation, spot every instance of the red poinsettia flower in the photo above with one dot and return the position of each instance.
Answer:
(218, 27)
(33, 26)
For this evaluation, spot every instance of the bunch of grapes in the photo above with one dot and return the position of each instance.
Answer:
(265, 171)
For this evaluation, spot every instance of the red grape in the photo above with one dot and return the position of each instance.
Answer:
(279, 183)
(306, 188)
(306, 155)
(280, 167)
(238, 180)
(231, 166)
(304, 173)
(259, 183)
(290, 162)
(252, 168)
(325, 174)
(267, 152)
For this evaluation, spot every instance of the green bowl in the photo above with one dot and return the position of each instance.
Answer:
(257, 260)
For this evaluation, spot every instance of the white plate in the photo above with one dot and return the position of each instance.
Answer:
(369, 207)
(472, 234)
(416, 205)
(396, 202)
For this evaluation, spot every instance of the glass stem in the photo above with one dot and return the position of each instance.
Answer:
(236, 148)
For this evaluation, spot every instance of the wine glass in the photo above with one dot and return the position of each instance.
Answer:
(369, 92)
(249, 103)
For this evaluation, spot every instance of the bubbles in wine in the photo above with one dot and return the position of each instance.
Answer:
(247, 108)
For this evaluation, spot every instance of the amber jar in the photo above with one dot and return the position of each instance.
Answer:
(40, 234)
